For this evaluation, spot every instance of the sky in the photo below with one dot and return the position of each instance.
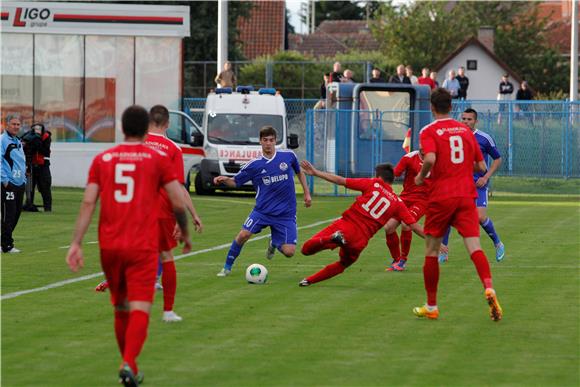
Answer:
(294, 8)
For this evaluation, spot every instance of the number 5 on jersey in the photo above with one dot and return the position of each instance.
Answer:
(122, 178)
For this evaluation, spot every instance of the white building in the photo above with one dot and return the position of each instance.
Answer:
(77, 66)
(483, 68)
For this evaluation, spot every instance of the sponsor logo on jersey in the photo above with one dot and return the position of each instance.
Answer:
(107, 157)
(267, 180)
(263, 171)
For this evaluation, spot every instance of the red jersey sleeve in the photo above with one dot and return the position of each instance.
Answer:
(401, 166)
(94, 171)
(427, 142)
(404, 215)
(360, 184)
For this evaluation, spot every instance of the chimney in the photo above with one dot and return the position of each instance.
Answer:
(486, 36)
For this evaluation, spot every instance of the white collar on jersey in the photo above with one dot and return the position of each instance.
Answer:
(273, 157)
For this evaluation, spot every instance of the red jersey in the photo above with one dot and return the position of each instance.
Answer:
(377, 204)
(411, 164)
(173, 152)
(456, 150)
(129, 177)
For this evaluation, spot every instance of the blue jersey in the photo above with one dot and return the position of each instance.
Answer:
(488, 149)
(273, 180)
(13, 160)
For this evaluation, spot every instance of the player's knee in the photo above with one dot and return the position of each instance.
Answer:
(243, 237)
(482, 219)
(288, 250)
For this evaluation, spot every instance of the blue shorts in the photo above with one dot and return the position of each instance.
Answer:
(481, 200)
(284, 230)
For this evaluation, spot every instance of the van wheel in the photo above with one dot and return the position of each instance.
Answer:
(199, 188)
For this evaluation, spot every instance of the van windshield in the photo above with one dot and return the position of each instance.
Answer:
(241, 129)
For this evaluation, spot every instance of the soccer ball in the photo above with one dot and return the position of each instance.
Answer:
(256, 274)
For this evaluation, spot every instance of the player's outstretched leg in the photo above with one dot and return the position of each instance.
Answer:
(495, 311)
(102, 286)
(444, 249)
(318, 243)
(489, 228)
(334, 269)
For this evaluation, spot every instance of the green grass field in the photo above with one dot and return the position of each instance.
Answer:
(354, 330)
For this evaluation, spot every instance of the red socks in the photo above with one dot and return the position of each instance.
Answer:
(121, 322)
(169, 282)
(135, 336)
(406, 238)
(326, 273)
(393, 245)
(431, 278)
(482, 266)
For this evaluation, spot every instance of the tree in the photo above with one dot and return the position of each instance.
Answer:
(423, 33)
(341, 10)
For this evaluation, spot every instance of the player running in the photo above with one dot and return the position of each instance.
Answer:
(450, 154)
(415, 198)
(157, 139)
(488, 149)
(376, 206)
(273, 177)
(127, 178)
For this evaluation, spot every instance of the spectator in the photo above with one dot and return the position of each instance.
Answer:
(400, 77)
(433, 77)
(524, 94)
(227, 78)
(463, 82)
(425, 79)
(506, 89)
(412, 78)
(377, 77)
(37, 150)
(321, 104)
(347, 76)
(336, 74)
(451, 84)
(13, 181)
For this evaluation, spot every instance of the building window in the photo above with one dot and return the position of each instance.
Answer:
(472, 64)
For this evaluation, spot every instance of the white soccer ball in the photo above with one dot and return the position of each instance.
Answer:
(257, 274)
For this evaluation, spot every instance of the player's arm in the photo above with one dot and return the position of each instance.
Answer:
(175, 193)
(225, 180)
(309, 169)
(428, 162)
(417, 229)
(304, 184)
(191, 208)
(74, 257)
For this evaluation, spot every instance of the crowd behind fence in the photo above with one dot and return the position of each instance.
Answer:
(535, 138)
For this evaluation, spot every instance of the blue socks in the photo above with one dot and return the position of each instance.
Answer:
(235, 250)
(445, 240)
(490, 230)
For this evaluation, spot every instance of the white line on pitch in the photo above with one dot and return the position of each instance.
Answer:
(94, 275)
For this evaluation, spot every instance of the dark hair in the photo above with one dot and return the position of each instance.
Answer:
(385, 172)
(472, 111)
(441, 101)
(13, 116)
(267, 131)
(159, 115)
(135, 121)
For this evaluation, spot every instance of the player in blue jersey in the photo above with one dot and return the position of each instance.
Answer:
(481, 179)
(273, 177)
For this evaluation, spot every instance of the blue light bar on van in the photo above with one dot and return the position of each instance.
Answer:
(265, 90)
(245, 89)
(223, 90)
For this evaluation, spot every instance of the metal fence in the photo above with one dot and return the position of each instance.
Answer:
(535, 138)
